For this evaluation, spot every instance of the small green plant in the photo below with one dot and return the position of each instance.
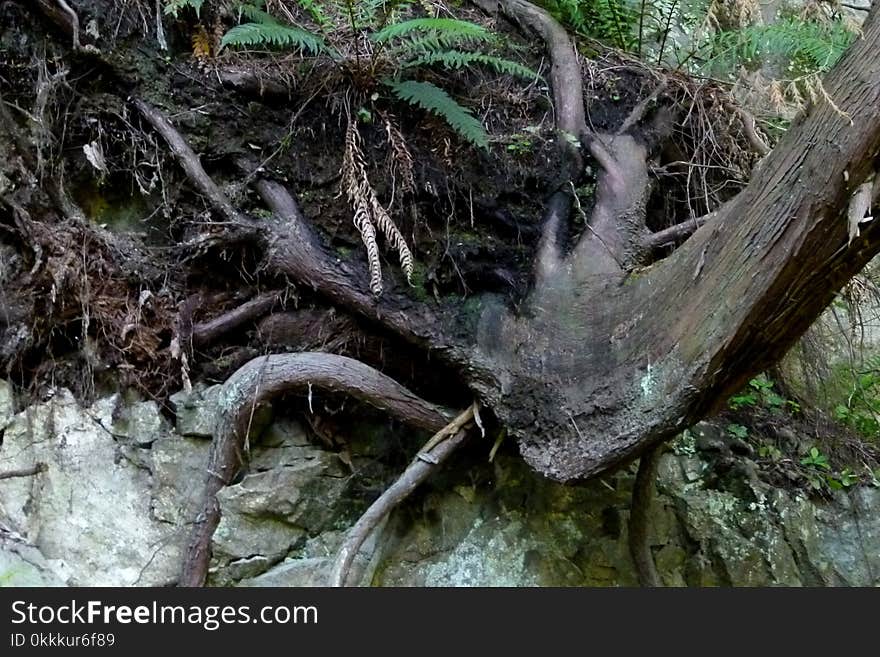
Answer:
(174, 7)
(760, 391)
(771, 452)
(520, 145)
(737, 430)
(816, 459)
(613, 21)
(746, 398)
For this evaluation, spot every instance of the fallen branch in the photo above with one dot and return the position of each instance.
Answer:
(639, 516)
(675, 234)
(35, 469)
(205, 333)
(263, 379)
(750, 128)
(189, 161)
(434, 452)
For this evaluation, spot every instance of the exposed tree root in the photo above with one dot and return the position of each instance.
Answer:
(25, 472)
(205, 333)
(435, 452)
(263, 379)
(294, 251)
(639, 518)
(190, 162)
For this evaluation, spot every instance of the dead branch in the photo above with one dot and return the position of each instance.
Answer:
(639, 517)
(189, 161)
(262, 380)
(675, 234)
(434, 452)
(751, 129)
(35, 469)
(205, 333)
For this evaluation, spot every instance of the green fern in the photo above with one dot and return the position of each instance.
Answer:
(255, 13)
(438, 102)
(273, 34)
(444, 32)
(812, 47)
(457, 59)
(611, 21)
(316, 11)
(173, 7)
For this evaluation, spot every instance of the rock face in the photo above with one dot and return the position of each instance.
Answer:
(121, 484)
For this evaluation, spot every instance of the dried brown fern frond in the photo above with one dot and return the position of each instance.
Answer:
(201, 44)
(360, 203)
(401, 158)
(368, 211)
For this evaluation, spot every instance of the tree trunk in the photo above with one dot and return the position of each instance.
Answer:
(597, 368)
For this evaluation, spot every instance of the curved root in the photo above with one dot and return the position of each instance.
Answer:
(263, 379)
(435, 451)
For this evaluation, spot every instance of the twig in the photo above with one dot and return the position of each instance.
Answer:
(440, 446)
(35, 469)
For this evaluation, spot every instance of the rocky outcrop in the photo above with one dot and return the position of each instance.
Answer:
(112, 507)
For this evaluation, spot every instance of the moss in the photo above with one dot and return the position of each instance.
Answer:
(417, 289)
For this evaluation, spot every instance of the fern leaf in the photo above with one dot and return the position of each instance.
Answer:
(173, 7)
(272, 34)
(256, 14)
(438, 102)
(446, 30)
(457, 59)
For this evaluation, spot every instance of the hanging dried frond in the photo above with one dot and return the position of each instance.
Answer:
(369, 212)
(201, 44)
(401, 159)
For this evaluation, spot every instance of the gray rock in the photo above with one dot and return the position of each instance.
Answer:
(7, 403)
(141, 423)
(196, 411)
(294, 573)
(178, 466)
(89, 512)
(22, 564)
(270, 513)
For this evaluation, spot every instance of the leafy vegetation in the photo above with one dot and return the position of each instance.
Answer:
(760, 392)
(399, 47)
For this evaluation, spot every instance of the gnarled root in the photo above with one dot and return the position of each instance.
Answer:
(263, 379)
(435, 451)
(640, 509)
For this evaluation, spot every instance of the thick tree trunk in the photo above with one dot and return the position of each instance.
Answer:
(599, 368)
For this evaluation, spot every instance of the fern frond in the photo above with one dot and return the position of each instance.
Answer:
(438, 102)
(272, 34)
(315, 9)
(255, 14)
(173, 7)
(816, 46)
(447, 31)
(369, 212)
(457, 59)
